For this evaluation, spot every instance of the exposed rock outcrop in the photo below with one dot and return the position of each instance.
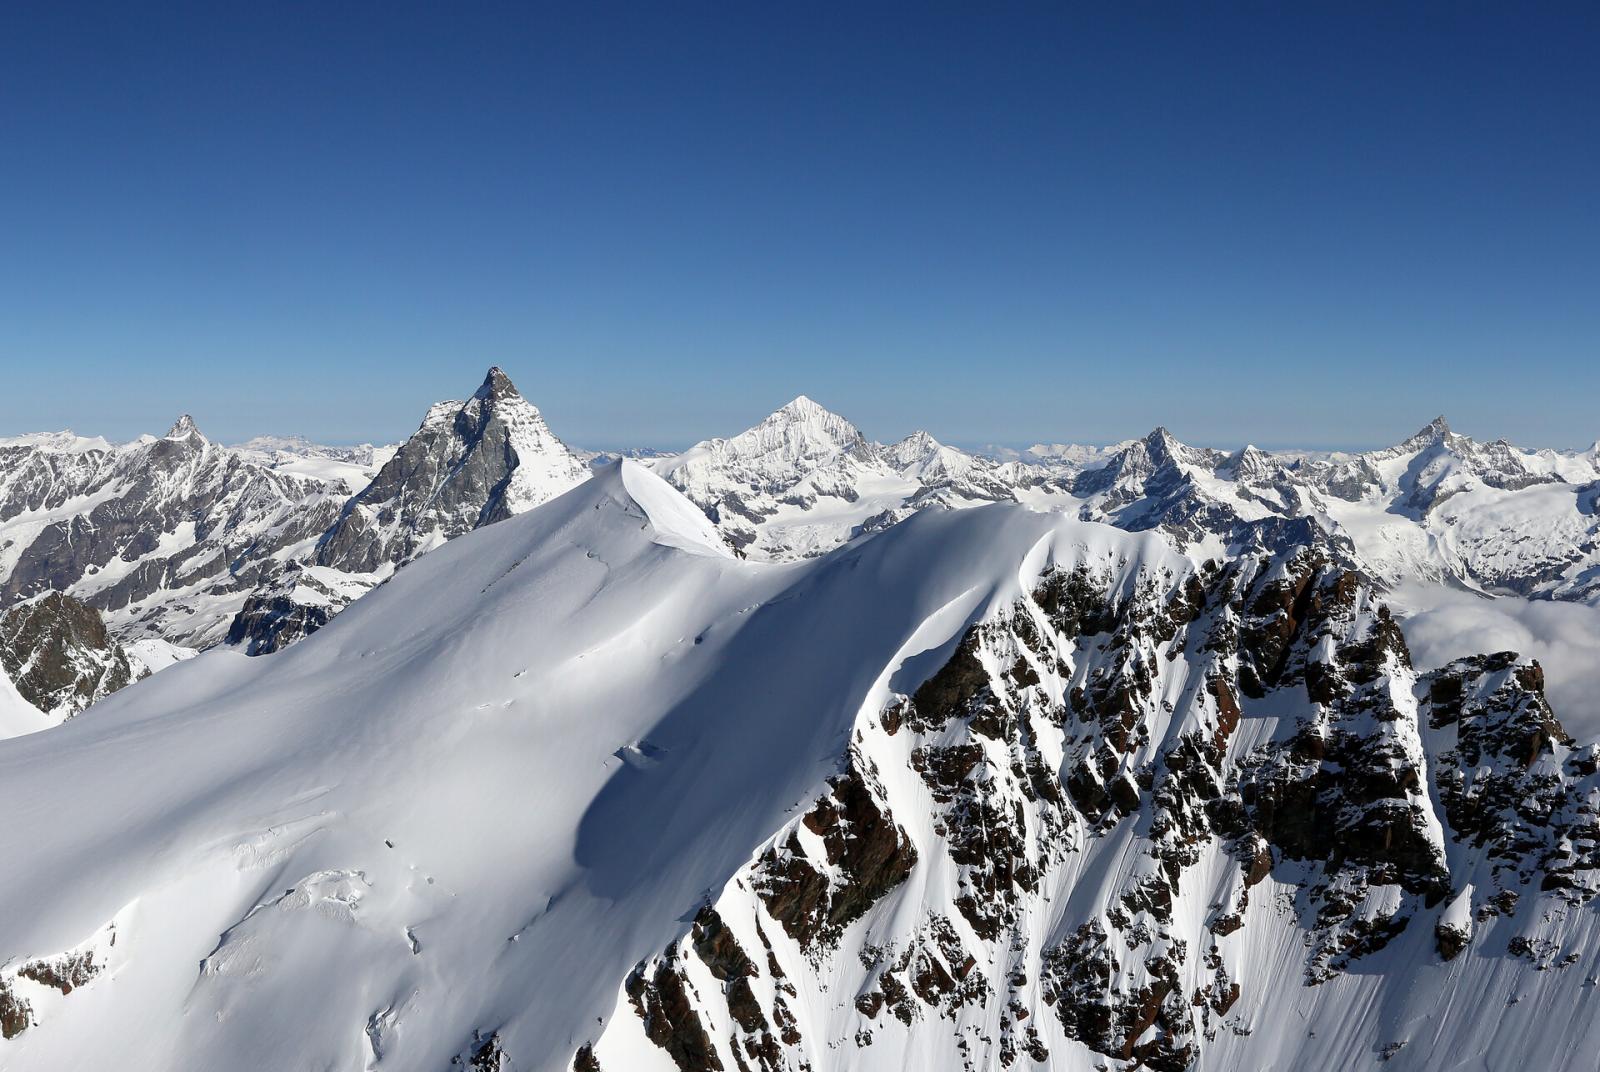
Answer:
(59, 656)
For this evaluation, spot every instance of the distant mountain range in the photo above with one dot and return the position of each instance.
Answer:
(183, 544)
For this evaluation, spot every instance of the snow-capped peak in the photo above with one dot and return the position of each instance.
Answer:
(804, 425)
(1162, 445)
(1248, 463)
(469, 464)
(917, 447)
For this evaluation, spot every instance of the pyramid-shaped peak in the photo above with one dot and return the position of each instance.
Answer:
(810, 418)
(1248, 460)
(803, 406)
(496, 384)
(1435, 431)
(183, 428)
(1161, 441)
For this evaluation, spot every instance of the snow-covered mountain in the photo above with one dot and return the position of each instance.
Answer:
(183, 543)
(470, 464)
(356, 466)
(993, 788)
(164, 535)
(1439, 507)
(805, 480)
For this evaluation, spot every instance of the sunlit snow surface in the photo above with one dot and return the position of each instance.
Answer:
(469, 713)
(483, 793)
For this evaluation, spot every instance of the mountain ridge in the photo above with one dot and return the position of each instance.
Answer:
(994, 788)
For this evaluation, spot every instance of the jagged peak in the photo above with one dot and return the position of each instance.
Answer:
(183, 428)
(1248, 461)
(917, 444)
(919, 438)
(1161, 443)
(1435, 431)
(496, 384)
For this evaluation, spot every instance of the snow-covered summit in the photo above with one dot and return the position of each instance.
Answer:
(799, 457)
(804, 480)
(797, 439)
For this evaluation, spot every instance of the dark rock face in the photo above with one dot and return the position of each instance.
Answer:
(64, 973)
(57, 653)
(664, 1000)
(1513, 784)
(277, 615)
(16, 1015)
(865, 851)
(1107, 713)
(484, 1055)
(470, 464)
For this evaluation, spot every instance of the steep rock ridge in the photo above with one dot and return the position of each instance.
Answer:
(470, 464)
(56, 654)
(1246, 740)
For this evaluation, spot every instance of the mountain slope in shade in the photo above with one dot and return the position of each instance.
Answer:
(990, 789)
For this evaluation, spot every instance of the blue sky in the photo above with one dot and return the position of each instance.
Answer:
(1290, 224)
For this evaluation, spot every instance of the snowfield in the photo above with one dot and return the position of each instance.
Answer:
(550, 794)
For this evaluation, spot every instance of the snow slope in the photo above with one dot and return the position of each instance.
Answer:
(542, 793)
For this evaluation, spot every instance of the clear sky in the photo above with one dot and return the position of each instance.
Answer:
(1261, 222)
